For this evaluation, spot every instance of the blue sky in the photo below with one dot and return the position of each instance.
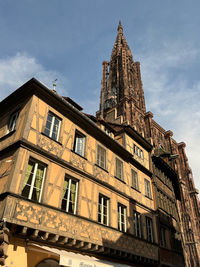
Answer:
(68, 40)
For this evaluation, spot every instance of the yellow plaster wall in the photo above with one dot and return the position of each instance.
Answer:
(19, 169)
(21, 254)
(6, 165)
(54, 185)
(17, 256)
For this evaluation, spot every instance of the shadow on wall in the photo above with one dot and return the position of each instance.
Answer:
(141, 243)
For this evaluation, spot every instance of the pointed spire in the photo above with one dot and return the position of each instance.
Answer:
(121, 83)
(120, 28)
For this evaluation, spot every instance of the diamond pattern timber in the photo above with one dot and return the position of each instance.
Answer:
(58, 223)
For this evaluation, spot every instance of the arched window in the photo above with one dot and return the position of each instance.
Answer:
(48, 263)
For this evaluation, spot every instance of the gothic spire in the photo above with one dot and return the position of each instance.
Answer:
(120, 28)
(120, 42)
(121, 81)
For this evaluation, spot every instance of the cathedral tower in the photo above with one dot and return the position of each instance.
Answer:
(122, 97)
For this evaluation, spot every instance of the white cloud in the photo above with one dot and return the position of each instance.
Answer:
(16, 70)
(173, 96)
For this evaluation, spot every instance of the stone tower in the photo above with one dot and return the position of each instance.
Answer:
(122, 97)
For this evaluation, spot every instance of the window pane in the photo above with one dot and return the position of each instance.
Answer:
(149, 228)
(69, 195)
(119, 169)
(48, 125)
(28, 179)
(35, 194)
(101, 156)
(137, 223)
(33, 180)
(54, 136)
(50, 117)
(135, 180)
(79, 144)
(52, 126)
(147, 188)
(38, 180)
(103, 210)
(64, 204)
(121, 218)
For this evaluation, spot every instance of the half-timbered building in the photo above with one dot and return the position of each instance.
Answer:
(84, 190)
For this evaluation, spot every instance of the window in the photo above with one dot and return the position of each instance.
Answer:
(13, 121)
(103, 210)
(34, 180)
(135, 184)
(147, 188)
(101, 157)
(70, 193)
(79, 143)
(138, 152)
(108, 132)
(119, 169)
(121, 218)
(52, 127)
(137, 224)
(149, 228)
(163, 242)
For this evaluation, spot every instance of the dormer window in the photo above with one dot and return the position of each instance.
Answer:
(108, 132)
(138, 152)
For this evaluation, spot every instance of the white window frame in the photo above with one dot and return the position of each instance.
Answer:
(101, 210)
(147, 188)
(117, 168)
(122, 213)
(79, 136)
(137, 224)
(68, 194)
(138, 152)
(108, 132)
(13, 121)
(52, 126)
(149, 229)
(36, 163)
(134, 175)
(101, 163)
